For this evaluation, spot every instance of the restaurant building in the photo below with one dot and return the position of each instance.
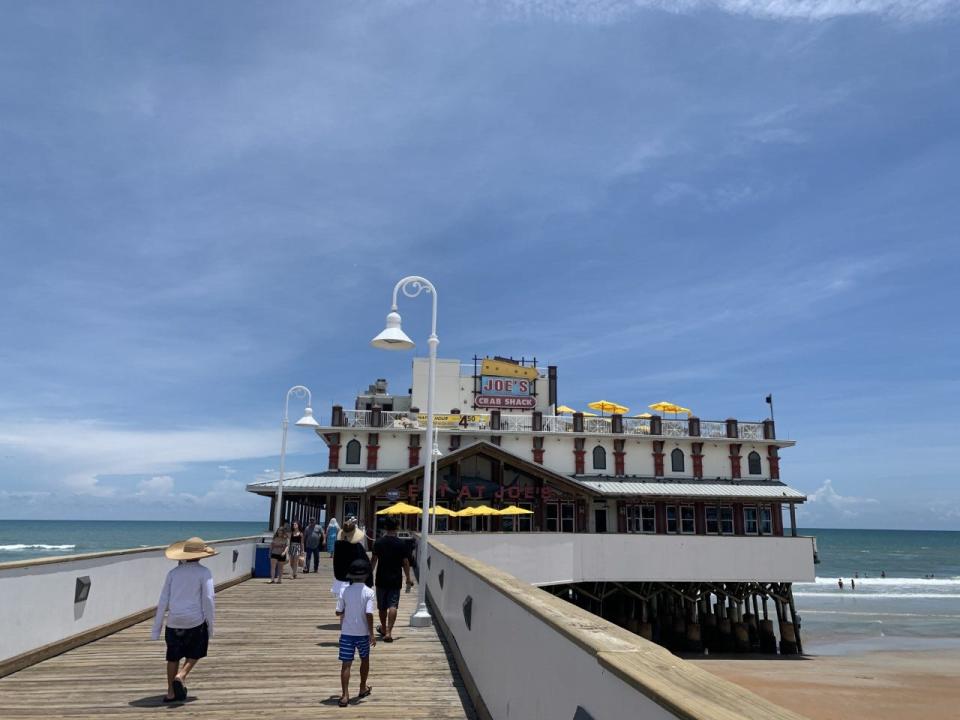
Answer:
(502, 439)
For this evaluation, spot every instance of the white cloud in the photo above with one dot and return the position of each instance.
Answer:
(158, 485)
(848, 506)
(611, 11)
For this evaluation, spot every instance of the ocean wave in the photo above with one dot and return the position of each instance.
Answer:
(18, 547)
(888, 581)
(856, 595)
(881, 614)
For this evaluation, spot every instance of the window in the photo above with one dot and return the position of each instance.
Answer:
(676, 460)
(766, 521)
(353, 452)
(525, 522)
(351, 507)
(567, 523)
(726, 520)
(713, 519)
(552, 518)
(688, 525)
(649, 518)
(671, 519)
(633, 518)
(753, 463)
(599, 458)
(750, 520)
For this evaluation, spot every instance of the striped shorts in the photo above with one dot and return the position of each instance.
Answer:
(349, 643)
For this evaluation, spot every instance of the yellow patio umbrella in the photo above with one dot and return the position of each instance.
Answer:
(475, 510)
(565, 410)
(645, 416)
(442, 511)
(514, 510)
(607, 406)
(400, 508)
(588, 414)
(669, 407)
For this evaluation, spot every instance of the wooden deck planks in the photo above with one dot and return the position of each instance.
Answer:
(274, 653)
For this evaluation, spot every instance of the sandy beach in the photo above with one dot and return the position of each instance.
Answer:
(885, 685)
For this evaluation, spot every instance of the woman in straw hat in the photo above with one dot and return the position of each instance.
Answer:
(187, 602)
(348, 547)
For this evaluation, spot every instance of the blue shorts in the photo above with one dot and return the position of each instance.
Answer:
(349, 643)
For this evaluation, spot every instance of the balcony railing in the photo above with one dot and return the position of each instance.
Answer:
(525, 423)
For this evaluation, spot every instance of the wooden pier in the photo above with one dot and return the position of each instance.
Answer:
(274, 655)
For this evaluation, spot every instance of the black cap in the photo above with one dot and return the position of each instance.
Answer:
(359, 570)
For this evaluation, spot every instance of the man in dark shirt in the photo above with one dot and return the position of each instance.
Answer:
(391, 562)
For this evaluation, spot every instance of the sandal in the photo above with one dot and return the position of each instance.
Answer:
(343, 703)
(364, 693)
(179, 690)
(380, 631)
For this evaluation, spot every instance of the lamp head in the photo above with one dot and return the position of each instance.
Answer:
(393, 337)
(307, 419)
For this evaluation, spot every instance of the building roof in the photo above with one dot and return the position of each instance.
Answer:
(756, 490)
(332, 481)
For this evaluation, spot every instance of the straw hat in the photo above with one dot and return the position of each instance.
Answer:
(350, 532)
(192, 549)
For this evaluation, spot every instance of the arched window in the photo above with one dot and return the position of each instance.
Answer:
(599, 458)
(353, 452)
(676, 460)
(753, 463)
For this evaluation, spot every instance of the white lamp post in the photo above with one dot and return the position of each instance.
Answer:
(306, 421)
(393, 338)
(436, 477)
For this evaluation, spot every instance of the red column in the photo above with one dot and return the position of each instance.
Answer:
(372, 448)
(774, 459)
(333, 442)
(619, 457)
(738, 518)
(414, 456)
(538, 456)
(578, 455)
(661, 514)
(658, 458)
(697, 456)
(621, 516)
(581, 516)
(735, 461)
(777, 510)
(700, 518)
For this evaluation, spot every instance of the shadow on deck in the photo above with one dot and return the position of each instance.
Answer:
(274, 653)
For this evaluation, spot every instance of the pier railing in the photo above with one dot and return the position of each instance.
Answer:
(508, 422)
(51, 605)
(499, 627)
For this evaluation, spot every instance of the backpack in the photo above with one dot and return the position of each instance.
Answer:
(313, 539)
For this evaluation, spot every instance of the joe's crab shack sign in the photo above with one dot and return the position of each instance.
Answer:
(505, 384)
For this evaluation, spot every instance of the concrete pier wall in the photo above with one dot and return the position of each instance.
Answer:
(37, 597)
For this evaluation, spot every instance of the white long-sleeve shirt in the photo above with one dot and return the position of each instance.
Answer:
(188, 596)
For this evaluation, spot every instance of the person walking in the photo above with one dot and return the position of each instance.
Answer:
(355, 610)
(313, 534)
(295, 554)
(279, 550)
(347, 548)
(391, 562)
(186, 603)
(333, 529)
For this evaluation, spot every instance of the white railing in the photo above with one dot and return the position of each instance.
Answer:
(510, 422)
(602, 426)
(516, 423)
(711, 429)
(636, 426)
(674, 428)
(356, 418)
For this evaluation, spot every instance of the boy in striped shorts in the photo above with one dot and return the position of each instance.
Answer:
(355, 610)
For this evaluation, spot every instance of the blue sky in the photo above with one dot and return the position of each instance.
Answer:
(202, 205)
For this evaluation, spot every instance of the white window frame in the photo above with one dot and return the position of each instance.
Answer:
(756, 520)
(724, 510)
(676, 520)
(765, 519)
(652, 516)
(692, 520)
(572, 519)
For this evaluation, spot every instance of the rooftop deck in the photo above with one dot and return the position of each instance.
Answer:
(274, 654)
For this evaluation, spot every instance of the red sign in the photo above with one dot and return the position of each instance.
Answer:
(497, 401)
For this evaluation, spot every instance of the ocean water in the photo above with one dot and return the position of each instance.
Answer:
(26, 539)
(916, 605)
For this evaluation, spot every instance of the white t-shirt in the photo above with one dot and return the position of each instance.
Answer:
(356, 602)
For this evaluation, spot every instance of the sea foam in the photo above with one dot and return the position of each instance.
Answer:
(18, 547)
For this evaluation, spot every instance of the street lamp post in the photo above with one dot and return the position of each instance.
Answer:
(435, 456)
(393, 338)
(306, 421)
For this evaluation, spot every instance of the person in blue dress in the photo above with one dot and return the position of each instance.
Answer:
(333, 527)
